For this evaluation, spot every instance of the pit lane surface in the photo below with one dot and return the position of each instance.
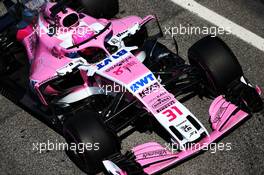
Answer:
(19, 130)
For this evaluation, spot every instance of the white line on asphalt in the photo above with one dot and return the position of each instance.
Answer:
(221, 21)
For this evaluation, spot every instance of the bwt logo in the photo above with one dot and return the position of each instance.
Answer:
(109, 60)
(142, 82)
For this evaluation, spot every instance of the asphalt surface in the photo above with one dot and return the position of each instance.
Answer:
(19, 130)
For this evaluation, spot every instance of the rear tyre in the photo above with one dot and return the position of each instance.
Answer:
(84, 129)
(216, 63)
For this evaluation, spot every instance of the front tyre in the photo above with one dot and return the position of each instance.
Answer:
(216, 63)
(94, 142)
(222, 74)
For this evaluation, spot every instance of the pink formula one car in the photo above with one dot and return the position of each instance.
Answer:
(96, 81)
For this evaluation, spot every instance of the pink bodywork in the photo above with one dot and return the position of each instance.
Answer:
(155, 157)
(46, 56)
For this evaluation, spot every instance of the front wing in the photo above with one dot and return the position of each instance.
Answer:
(154, 157)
